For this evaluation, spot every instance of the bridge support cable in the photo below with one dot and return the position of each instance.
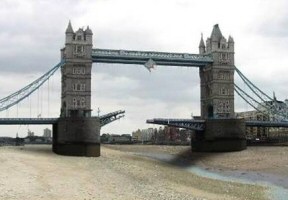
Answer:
(37, 102)
(248, 99)
(266, 104)
(259, 93)
(21, 94)
(48, 101)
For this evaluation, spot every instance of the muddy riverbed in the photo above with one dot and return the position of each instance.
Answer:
(143, 172)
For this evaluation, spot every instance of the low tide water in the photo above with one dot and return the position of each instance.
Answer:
(278, 185)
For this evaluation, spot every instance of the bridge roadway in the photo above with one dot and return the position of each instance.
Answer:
(150, 58)
(199, 125)
(35, 121)
(104, 119)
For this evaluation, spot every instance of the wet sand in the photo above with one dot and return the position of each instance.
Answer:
(127, 172)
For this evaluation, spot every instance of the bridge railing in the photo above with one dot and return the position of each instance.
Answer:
(16, 121)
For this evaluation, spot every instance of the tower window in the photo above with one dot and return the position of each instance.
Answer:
(79, 37)
(83, 103)
(74, 103)
(224, 91)
(78, 49)
(223, 56)
(79, 70)
(82, 87)
(79, 87)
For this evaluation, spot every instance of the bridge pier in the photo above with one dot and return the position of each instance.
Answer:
(220, 135)
(77, 136)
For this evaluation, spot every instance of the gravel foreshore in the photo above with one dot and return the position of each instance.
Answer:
(35, 172)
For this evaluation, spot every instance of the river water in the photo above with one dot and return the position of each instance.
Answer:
(278, 185)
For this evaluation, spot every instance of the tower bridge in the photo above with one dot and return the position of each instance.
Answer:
(77, 132)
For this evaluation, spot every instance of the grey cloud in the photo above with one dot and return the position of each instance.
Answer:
(170, 87)
(275, 28)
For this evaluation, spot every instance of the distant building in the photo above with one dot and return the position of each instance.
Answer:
(279, 107)
(30, 133)
(37, 140)
(136, 136)
(171, 134)
(47, 133)
(144, 135)
(253, 132)
(106, 138)
(147, 134)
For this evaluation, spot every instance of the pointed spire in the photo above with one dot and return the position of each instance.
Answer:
(216, 34)
(201, 41)
(230, 39)
(69, 28)
(88, 31)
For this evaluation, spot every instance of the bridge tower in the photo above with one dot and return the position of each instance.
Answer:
(76, 73)
(223, 132)
(217, 80)
(77, 133)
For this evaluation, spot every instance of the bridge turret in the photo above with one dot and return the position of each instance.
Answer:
(202, 46)
(231, 44)
(89, 34)
(216, 37)
(69, 33)
(217, 80)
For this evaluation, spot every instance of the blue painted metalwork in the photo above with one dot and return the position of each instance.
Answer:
(104, 119)
(110, 117)
(265, 103)
(259, 93)
(150, 58)
(266, 124)
(191, 124)
(21, 94)
(199, 125)
(35, 121)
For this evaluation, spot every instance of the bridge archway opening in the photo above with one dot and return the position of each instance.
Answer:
(165, 90)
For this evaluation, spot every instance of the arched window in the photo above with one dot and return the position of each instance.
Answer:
(83, 103)
(74, 103)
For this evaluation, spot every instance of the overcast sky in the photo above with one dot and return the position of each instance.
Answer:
(33, 32)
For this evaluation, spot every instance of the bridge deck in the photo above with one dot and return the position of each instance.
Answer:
(149, 58)
(180, 123)
(266, 124)
(200, 124)
(35, 121)
(104, 119)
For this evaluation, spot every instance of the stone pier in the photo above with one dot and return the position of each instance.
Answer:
(77, 136)
(220, 135)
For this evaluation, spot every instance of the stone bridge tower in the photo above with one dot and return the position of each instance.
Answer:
(223, 132)
(77, 133)
(217, 80)
(76, 73)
